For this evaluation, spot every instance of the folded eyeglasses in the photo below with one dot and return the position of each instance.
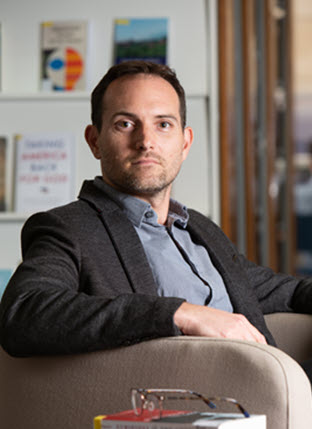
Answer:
(152, 400)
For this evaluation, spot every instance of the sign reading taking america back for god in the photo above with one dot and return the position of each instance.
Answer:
(44, 171)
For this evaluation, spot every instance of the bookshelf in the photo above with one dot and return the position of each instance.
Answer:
(24, 109)
(41, 96)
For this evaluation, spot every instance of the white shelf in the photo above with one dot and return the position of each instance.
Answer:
(41, 96)
(13, 217)
(62, 96)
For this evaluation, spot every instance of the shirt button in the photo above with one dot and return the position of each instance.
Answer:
(149, 214)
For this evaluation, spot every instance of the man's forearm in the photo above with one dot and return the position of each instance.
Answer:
(54, 321)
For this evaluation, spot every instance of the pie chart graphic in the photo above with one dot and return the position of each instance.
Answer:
(64, 68)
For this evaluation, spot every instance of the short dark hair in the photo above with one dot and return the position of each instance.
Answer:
(132, 68)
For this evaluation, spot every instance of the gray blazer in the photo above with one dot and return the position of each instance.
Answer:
(85, 283)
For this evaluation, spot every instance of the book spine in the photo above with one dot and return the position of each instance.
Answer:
(101, 423)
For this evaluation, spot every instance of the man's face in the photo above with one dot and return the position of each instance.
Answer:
(141, 144)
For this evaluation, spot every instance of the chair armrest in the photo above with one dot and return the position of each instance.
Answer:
(68, 391)
(292, 333)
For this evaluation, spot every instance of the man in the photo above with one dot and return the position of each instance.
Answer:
(124, 263)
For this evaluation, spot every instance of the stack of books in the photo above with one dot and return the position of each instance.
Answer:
(173, 419)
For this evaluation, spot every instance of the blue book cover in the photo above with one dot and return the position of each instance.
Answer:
(141, 39)
(5, 275)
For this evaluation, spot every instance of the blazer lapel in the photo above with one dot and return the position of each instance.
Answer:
(226, 261)
(124, 239)
(130, 251)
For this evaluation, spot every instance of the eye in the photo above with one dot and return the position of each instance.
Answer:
(124, 125)
(164, 124)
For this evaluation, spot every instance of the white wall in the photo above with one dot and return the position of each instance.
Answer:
(23, 109)
(20, 20)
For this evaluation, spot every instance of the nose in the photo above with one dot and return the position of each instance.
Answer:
(144, 138)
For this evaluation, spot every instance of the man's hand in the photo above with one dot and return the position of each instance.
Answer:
(204, 321)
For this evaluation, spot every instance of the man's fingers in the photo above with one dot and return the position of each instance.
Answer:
(209, 322)
(252, 333)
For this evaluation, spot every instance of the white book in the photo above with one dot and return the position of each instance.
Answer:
(0, 56)
(3, 168)
(63, 55)
(44, 171)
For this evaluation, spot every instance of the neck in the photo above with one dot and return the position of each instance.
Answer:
(159, 203)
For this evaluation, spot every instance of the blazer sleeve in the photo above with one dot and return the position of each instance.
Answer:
(274, 291)
(45, 309)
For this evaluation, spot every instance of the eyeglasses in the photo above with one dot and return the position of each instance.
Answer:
(152, 400)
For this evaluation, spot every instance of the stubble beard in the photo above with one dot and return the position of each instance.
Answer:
(135, 185)
(135, 182)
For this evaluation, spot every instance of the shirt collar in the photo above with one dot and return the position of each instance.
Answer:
(177, 213)
(139, 211)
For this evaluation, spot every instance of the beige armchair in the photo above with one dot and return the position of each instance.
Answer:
(68, 391)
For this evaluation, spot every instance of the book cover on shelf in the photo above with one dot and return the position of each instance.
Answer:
(63, 55)
(3, 161)
(141, 38)
(173, 419)
(0, 56)
(44, 171)
(5, 275)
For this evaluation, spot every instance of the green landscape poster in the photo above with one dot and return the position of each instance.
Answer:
(141, 38)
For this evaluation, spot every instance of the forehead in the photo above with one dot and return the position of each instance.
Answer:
(142, 89)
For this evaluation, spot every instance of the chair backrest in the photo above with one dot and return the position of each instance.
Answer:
(292, 333)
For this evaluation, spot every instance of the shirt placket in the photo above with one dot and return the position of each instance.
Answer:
(190, 263)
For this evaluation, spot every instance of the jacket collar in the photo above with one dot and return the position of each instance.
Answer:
(97, 198)
(124, 238)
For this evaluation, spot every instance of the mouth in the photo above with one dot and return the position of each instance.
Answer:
(146, 161)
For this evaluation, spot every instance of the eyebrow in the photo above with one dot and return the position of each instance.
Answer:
(168, 117)
(133, 115)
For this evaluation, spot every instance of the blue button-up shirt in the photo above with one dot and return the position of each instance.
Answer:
(181, 268)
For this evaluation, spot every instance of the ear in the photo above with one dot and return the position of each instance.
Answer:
(92, 138)
(188, 140)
